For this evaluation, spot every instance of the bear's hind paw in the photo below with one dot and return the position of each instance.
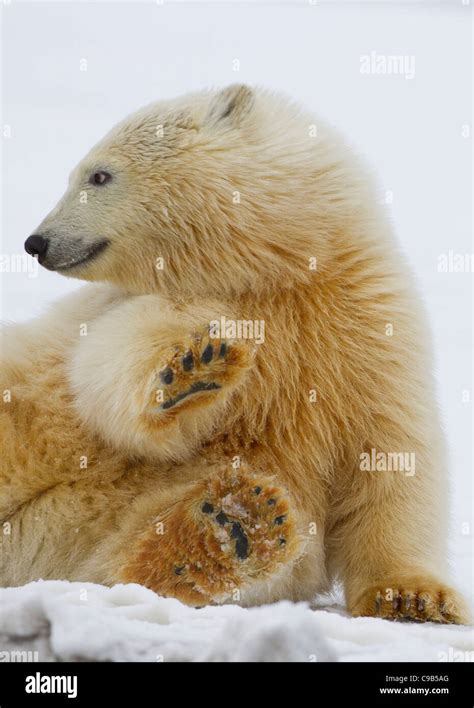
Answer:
(235, 529)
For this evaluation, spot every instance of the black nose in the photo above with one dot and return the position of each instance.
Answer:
(36, 245)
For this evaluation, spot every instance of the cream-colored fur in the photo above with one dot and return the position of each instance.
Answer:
(254, 218)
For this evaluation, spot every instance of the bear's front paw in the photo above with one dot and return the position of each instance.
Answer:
(416, 598)
(196, 371)
(232, 530)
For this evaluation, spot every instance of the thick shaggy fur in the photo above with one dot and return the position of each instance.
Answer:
(238, 192)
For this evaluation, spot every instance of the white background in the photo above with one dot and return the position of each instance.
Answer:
(410, 130)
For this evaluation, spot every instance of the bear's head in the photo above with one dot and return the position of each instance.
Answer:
(216, 193)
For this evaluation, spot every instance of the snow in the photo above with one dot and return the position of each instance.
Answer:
(411, 132)
(65, 621)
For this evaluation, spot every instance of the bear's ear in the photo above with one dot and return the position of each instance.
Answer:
(231, 104)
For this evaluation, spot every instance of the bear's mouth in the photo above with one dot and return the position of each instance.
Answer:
(84, 258)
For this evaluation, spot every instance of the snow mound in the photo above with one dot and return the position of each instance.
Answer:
(63, 621)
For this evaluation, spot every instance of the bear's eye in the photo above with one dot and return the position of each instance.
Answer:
(100, 178)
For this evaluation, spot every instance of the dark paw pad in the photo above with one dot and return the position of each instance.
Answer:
(207, 354)
(167, 376)
(236, 532)
(222, 350)
(187, 361)
(242, 543)
(222, 519)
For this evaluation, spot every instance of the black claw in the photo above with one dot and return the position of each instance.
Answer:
(242, 545)
(207, 508)
(397, 601)
(420, 605)
(187, 361)
(257, 490)
(178, 569)
(221, 518)
(271, 502)
(207, 354)
(279, 520)
(167, 375)
(378, 603)
(407, 602)
(222, 350)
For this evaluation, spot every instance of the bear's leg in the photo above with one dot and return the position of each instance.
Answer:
(156, 382)
(389, 547)
(212, 542)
